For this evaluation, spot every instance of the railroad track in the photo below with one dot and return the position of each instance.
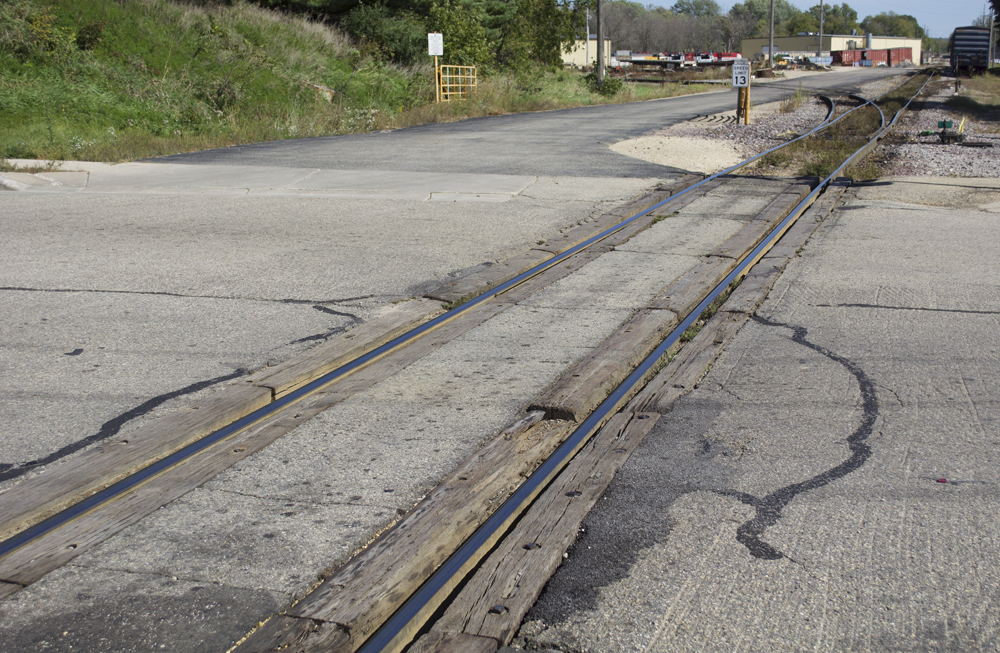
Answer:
(384, 598)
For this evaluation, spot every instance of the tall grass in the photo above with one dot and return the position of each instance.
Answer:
(108, 80)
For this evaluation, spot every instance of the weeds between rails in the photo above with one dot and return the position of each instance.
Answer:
(821, 154)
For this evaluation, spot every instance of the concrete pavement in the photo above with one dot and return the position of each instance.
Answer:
(832, 483)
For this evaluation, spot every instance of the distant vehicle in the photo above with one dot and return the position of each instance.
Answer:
(970, 49)
(727, 56)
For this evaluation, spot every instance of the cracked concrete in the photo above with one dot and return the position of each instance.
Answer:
(699, 545)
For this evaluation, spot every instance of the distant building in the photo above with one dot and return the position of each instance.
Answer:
(578, 57)
(807, 44)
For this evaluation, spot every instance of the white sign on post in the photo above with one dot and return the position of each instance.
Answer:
(741, 73)
(435, 44)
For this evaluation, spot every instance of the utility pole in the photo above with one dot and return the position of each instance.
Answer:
(819, 48)
(586, 37)
(600, 47)
(770, 47)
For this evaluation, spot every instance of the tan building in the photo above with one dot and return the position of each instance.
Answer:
(807, 45)
(584, 55)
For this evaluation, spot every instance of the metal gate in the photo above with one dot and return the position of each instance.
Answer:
(456, 83)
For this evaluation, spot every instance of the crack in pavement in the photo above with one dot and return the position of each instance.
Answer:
(769, 508)
(163, 293)
(113, 426)
(910, 308)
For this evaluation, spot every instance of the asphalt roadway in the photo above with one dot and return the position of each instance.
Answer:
(137, 286)
(832, 484)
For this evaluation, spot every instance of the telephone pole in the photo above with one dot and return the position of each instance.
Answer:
(600, 47)
(770, 46)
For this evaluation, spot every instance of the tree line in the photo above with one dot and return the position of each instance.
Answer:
(521, 34)
(700, 25)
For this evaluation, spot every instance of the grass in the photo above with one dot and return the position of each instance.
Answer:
(822, 153)
(794, 101)
(106, 80)
(978, 96)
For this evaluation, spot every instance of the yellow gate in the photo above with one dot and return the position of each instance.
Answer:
(456, 83)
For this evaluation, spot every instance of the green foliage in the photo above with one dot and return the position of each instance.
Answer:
(31, 31)
(837, 19)
(461, 22)
(105, 79)
(698, 8)
(612, 85)
(398, 36)
(893, 24)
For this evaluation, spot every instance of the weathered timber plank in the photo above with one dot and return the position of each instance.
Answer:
(513, 576)
(576, 235)
(369, 588)
(690, 365)
(435, 642)
(583, 386)
(49, 554)
(287, 634)
(754, 231)
(8, 589)
(78, 477)
(696, 357)
(579, 234)
(684, 294)
(479, 282)
(316, 362)
(753, 289)
(32, 562)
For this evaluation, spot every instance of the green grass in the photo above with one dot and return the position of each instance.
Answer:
(978, 95)
(109, 80)
(822, 153)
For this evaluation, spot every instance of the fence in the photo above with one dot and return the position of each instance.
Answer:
(456, 83)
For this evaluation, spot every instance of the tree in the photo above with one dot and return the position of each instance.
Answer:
(837, 19)
(697, 8)
(893, 24)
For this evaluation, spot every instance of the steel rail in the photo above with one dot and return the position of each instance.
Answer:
(443, 581)
(110, 493)
(163, 465)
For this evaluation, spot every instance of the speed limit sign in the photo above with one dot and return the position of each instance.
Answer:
(741, 73)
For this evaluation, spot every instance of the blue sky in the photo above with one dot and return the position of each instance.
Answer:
(938, 17)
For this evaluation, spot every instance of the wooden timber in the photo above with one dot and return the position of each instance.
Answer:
(77, 477)
(508, 582)
(7, 589)
(494, 601)
(283, 633)
(366, 591)
(435, 642)
(589, 381)
(282, 379)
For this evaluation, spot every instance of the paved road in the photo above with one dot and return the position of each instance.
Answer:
(136, 285)
(149, 281)
(832, 484)
(571, 142)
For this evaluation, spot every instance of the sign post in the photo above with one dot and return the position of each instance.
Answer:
(741, 82)
(435, 48)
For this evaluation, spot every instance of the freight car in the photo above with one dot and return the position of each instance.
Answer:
(970, 49)
(892, 57)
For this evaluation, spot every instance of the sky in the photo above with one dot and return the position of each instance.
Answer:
(939, 18)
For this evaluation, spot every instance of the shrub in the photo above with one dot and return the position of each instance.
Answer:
(612, 85)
